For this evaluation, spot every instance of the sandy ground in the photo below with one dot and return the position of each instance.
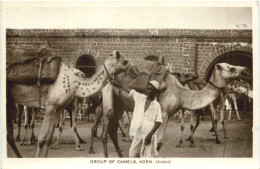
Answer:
(238, 143)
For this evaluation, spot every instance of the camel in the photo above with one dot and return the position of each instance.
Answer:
(195, 115)
(174, 97)
(234, 91)
(56, 96)
(243, 90)
(183, 78)
(231, 89)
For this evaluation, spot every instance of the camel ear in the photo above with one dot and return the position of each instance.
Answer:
(217, 66)
(161, 60)
(116, 54)
(177, 74)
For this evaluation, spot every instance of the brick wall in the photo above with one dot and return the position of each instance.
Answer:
(184, 50)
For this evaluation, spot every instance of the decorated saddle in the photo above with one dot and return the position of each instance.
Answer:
(31, 67)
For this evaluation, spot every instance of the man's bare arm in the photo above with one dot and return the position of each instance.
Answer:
(150, 134)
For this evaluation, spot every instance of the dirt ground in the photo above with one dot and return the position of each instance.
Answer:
(238, 144)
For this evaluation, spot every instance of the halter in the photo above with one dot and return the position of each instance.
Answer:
(219, 88)
(209, 82)
(109, 77)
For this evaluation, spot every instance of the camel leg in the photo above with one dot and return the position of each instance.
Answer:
(128, 139)
(26, 124)
(236, 108)
(122, 131)
(19, 121)
(161, 130)
(222, 115)
(56, 145)
(181, 115)
(196, 115)
(213, 116)
(209, 111)
(94, 130)
(75, 132)
(45, 138)
(192, 124)
(113, 127)
(32, 138)
(10, 135)
(106, 120)
(54, 120)
(114, 138)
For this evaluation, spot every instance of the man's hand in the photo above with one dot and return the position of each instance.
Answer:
(116, 83)
(148, 139)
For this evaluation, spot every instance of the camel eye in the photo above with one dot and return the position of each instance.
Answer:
(232, 70)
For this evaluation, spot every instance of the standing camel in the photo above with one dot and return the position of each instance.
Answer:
(56, 96)
(174, 97)
(195, 115)
(183, 78)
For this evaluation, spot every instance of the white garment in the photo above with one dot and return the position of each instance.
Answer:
(143, 122)
(228, 106)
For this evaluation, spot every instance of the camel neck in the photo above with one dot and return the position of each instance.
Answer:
(88, 86)
(194, 100)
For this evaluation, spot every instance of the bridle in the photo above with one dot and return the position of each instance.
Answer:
(210, 83)
(219, 88)
(109, 77)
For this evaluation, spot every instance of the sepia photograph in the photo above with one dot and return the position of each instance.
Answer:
(162, 81)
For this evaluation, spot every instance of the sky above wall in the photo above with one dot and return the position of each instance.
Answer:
(129, 17)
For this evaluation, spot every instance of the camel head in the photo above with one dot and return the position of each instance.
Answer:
(225, 73)
(185, 78)
(116, 63)
(239, 86)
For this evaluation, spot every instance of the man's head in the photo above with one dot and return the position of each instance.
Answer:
(152, 88)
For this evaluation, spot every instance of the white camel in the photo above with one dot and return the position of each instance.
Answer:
(57, 95)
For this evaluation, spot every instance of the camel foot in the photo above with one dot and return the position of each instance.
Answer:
(31, 142)
(91, 151)
(123, 134)
(229, 118)
(17, 138)
(188, 139)
(23, 143)
(78, 148)
(217, 141)
(192, 145)
(127, 140)
(225, 137)
(55, 146)
(82, 142)
(180, 145)
(211, 130)
(239, 119)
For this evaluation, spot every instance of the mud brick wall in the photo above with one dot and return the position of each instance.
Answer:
(184, 50)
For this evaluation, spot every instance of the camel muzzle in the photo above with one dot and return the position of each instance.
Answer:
(246, 74)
